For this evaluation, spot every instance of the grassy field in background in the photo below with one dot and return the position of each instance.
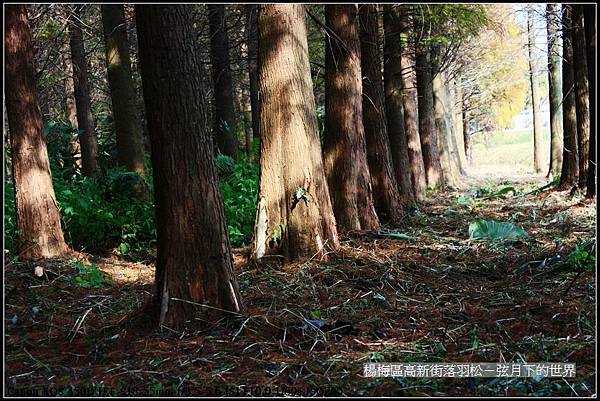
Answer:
(508, 153)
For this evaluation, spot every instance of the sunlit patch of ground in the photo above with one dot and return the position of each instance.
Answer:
(440, 297)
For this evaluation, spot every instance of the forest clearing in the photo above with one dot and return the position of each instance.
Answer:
(289, 200)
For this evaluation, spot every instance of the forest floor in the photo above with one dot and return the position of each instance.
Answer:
(433, 295)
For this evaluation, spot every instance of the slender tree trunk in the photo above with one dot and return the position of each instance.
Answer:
(224, 118)
(70, 108)
(555, 89)
(393, 104)
(194, 261)
(427, 128)
(455, 109)
(467, 137)
(252, 32)
(385, 188)
(409, 101)
(294, 211)
(570, 165)
(582, 91)
(345, 154)
(535, 96)
(85, 120)
(38, 215)
(130, 150)
(590, 38)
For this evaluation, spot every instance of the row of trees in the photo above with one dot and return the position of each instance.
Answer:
(393, 121)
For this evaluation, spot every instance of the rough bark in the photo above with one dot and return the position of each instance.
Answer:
(130, 150)
(457, 99)
(38, 215)
(194, 261)
(394, 109)
(570, 164)
(344, 148)
(409, 102)
(590, 38)
(535, 95)
(445, 132)
(70, 108)
(467, 137)
(224, 117)
(427, 128)
(85, 120)
(385, 188)
(554, 89)
(252, 32)
(294, 212)
(582, 92)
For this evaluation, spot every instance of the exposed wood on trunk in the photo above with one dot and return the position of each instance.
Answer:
(294, 213)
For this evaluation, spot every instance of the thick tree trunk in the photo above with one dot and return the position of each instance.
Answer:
(224, 117)
(535, 96)
(582, 92)
(38, 215)
(427, 129)
(194, 261)
(345, 154)
(130, 150)
(85, 120)
(409, 101)
(385, 188)
(393, 104)
(570, 164)
(294, 212)
(555, 89)
(445, 132)
(590, 38)
(252, 32)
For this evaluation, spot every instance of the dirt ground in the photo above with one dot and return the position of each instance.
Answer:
(432, 296)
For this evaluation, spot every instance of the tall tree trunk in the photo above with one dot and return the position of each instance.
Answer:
(535, 96)
(554, 89)
(130, 150)
(467, 136)
(570, 164)
(409, 101)
(385, 187)
(456, 110)
(445, 132)
(345, 154)
(427, 129)
(590, 39)
(252, 32)
(582, 92)
(70, 107)
(194, 261)
(294, 211)
(85, 120)
(393, 104)
(38, 215)
(224, 117)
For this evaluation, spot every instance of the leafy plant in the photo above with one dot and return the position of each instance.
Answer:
(481, 229)
(89, 276)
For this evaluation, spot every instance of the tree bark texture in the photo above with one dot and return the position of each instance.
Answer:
(570, 165)
(535, 95)
(194, 261)
(590, 39)
(345, 154)
(385, 188)
(85, 119)
(38, 215)
(554, 88)
(393, 105)
(252, 32)
(582, 93)
(130, 149)
(294, 211)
